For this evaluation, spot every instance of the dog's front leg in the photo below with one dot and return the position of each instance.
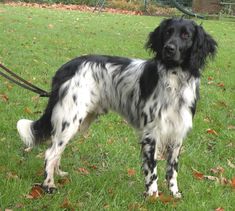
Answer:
(172, 169)
(149, 166)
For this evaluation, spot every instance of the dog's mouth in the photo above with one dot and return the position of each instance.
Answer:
(170, 58)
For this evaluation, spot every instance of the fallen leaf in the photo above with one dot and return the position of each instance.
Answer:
(134, 206)
(210, 78)
(220, 84)
(9, 87)
(233, 182)
(217, 170)
(131, 172)
(110, 141)
(63, 181)
(219, 209)
(67, 205)
(27, 110)
(4, 97)
(207, 119)
(165, 199)
(213, 178)
(35, 99)
(231, 127)
(153, 198)
(93, 167)
(211, 131)
(230, 164)
(83, 171)
(36, 192)
(198, 175)
(223, 181)
(222, 104)
(19, 205)
(111, 192)
(12, 175)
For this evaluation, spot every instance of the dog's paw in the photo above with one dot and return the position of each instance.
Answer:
(151, 196)
(48, 189)
(62, 173)
(177, 195)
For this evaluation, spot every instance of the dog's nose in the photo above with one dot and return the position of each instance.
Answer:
(170, 48)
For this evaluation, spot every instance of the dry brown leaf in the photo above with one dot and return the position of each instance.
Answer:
(93, 167)
(233, 182)
(19, 205)
(67, 205)
(219, 209)
(134, 206)
(131, 172)
(198, 175)
(166, 199)
(36, 192)
(211, 131)
(223, 181)
(83, 171)
(63, 181)
(27, 110)
(4, 97)
(217, 170)
(210, 78)
(220, 84)
(153, 198)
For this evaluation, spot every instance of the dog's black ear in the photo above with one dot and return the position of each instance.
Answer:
(155, 39)
(203, 46)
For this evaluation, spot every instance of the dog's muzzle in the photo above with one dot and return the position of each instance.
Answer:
(171, 53)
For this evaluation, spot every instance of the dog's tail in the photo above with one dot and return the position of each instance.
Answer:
(35, 132)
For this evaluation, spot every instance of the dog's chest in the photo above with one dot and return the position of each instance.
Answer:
(171, 104)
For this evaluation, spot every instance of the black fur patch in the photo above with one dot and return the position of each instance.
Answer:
(148, 80)
(75, 118)
(60, 143)
(75, 98)
(45, 174)
(64, 125)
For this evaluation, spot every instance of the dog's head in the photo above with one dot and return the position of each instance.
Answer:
(181, 42)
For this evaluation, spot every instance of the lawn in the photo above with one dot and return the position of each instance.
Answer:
(104, 167)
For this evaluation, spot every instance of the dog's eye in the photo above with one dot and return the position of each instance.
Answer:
(185, 35)
(168, 32)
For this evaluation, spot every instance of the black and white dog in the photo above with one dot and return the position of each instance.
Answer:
(157, 96)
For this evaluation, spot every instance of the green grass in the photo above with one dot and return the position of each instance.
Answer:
(35, 43)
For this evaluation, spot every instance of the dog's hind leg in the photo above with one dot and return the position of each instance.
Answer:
(53, 154)
(66, 122)
(172, 169)
(83, 126)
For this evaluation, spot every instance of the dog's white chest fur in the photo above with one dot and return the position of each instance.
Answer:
(176, 95)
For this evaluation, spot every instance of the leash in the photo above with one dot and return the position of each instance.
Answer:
(21, 82)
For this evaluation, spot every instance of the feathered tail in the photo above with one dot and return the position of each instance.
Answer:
(35, 132)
